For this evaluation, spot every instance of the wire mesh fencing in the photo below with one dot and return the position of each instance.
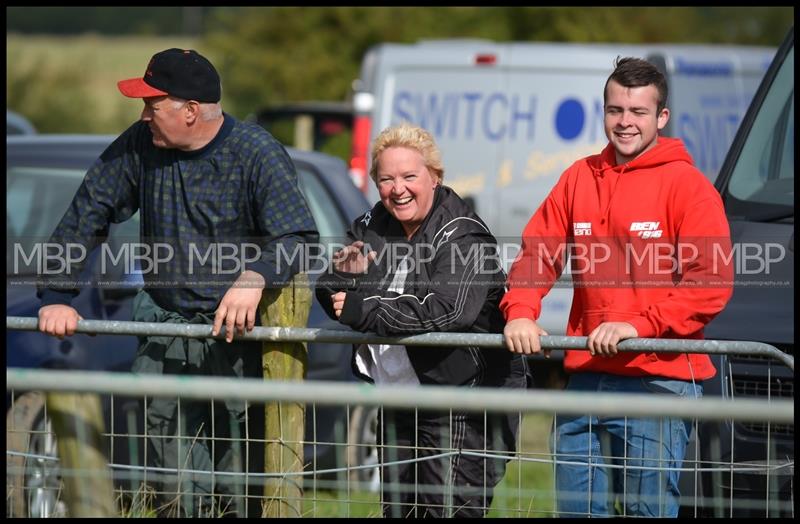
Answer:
(350, 461)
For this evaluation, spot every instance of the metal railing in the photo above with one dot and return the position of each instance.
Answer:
(348, 496)
(279, 334)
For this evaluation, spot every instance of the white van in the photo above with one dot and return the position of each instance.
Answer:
(510, 117)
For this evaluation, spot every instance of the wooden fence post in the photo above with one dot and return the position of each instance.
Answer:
(285, 422)
(78, 425)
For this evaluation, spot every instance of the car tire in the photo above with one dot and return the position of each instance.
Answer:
(362, 448)
(33, 486)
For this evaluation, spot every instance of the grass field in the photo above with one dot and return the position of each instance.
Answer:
(527, 488)
(525, 491)
(68, 84)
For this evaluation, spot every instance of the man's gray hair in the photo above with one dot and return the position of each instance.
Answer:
(208, 111)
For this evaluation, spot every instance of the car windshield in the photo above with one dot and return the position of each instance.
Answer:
(764, 173)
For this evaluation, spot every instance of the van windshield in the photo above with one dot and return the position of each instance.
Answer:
(762, 181)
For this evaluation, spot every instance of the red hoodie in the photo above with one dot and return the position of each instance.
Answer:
(649, 244)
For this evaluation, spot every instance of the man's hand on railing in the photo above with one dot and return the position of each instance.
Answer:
(58, 320)
(239, 306)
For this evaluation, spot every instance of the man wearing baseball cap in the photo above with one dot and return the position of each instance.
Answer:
(198, 178)
(183, 79)
(183, 73)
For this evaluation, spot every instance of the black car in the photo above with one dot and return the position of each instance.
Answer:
(756, 183)
(43, 173)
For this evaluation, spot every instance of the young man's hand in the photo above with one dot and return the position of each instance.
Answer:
(604, 338)
(522, 336)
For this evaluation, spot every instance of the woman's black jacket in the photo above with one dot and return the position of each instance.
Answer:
(455, 283)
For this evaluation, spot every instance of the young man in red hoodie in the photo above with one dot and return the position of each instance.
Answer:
(649, 249)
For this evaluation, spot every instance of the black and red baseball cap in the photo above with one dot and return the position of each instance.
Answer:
(182, 73)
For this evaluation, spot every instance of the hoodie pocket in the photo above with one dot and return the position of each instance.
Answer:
(594, 317)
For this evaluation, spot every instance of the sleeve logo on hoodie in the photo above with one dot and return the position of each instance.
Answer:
(646, 229)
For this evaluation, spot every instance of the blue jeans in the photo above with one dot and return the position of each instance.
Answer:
(647, 452)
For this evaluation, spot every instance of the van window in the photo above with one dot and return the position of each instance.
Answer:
(764, 172)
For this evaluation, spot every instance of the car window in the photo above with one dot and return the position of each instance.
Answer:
(36, 199)
(764, 173)
(329, 219)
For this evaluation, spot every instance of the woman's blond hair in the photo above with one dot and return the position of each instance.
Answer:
(411, 137)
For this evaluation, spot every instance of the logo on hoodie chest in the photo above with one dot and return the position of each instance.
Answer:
(646, 229)
(582, 229)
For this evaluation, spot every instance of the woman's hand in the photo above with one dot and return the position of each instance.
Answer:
(338, 302)
(350, 259)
